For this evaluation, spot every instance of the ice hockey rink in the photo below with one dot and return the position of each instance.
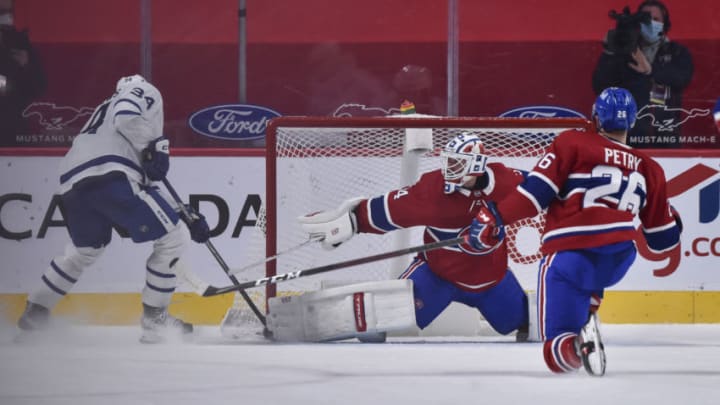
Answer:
(647, 364)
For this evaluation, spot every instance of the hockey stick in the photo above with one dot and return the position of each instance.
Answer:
(216, 255)
(273, 257)
(206, 290)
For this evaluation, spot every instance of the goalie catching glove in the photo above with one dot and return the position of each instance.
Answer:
(334, 227)
(486, 230)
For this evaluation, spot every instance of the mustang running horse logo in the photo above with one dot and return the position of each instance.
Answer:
(680, 116)
(54, 117)
(361, 110)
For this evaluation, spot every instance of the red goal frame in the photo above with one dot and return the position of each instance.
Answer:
(376, 122)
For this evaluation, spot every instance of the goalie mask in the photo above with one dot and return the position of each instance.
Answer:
(462, 159)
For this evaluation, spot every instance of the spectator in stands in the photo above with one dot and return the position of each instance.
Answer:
(22, 78)
(638, 55)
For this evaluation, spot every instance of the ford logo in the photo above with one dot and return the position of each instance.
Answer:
(542, 111)
(237, 122)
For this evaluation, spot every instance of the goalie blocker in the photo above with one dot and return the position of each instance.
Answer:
(366, 311)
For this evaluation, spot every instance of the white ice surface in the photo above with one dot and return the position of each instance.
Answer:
(658, 365)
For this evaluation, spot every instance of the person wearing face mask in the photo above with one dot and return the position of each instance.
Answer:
(22, 78)
(656, 72)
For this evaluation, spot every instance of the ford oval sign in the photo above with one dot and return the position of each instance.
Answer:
(542, 111)
(236, 122)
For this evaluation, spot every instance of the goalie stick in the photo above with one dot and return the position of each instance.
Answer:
(206, 290)
(217, 257)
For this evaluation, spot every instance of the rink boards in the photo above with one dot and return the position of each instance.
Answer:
(681, 286)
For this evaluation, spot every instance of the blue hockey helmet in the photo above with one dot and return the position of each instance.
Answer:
(615, 110)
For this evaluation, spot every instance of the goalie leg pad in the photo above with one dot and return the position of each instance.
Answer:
(363, 310)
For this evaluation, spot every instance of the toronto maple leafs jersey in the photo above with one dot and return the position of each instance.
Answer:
(593, 188)
(115, 135)
(445, 216)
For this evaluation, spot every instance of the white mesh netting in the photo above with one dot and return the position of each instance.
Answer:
(315, 164)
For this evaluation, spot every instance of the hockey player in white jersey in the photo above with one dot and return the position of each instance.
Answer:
(106, 181)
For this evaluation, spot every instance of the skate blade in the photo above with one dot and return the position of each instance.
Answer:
(594, 362)
(169, 336)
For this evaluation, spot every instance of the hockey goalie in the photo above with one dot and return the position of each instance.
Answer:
(443, 201)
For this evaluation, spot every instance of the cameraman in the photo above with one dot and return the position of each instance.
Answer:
(639, 56)
(22, 78)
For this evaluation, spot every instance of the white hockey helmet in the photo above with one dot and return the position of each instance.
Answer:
(463, 157)
(129, 81)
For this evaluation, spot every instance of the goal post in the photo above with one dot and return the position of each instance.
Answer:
(315, 163)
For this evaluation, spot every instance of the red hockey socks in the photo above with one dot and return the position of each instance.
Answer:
(560, 354)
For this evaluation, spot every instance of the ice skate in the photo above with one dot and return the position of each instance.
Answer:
(158, 326)
(591, 349)
(522, 334)
(35, 317)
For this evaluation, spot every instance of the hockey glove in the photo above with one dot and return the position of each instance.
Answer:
(486, 230)
(198, 226)
(334, 227)
(156, 159)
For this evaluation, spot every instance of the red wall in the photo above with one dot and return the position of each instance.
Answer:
(279, 21)
(512, 54)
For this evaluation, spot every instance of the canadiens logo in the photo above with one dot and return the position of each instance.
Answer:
(467, 248)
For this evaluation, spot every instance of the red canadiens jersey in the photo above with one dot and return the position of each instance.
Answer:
(445, 216)
(593, 188)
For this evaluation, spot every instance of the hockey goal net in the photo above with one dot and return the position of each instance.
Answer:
(315, 163)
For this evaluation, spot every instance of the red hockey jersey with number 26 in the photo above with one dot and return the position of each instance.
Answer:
(593, 188)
